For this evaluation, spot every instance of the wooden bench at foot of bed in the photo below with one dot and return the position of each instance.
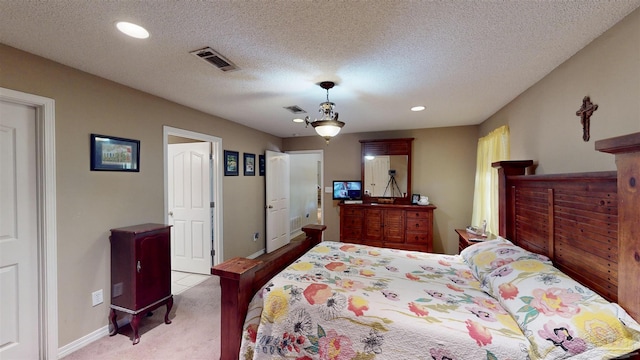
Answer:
(241, 278)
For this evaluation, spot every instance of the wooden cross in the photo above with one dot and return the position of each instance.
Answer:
(585, 112)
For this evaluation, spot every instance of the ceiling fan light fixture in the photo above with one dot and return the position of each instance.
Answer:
(327, 128)
(328, 125)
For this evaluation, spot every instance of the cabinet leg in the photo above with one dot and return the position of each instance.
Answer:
(169, 306)
(114, 322)
(135, 322)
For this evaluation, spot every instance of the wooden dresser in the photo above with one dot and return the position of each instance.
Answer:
(405, 227)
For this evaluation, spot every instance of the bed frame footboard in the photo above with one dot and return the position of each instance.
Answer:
(240, 278)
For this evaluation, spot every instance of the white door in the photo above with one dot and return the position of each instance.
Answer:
(189, 207)
(19, 335)
(277, 194)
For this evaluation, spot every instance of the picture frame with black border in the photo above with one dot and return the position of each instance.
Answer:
(261, 165)
(415, 198)
(249, 164)
(111, 153)
(231, 159)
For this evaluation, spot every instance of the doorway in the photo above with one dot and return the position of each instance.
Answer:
(211, 245)
(32, 329)
(306, 189)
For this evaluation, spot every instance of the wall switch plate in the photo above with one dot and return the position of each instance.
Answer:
(97, 297)
(328, 190)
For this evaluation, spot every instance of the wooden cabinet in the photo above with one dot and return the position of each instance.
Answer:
(407, 227)
(140, 273)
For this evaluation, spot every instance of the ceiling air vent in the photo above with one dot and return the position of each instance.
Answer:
(209, 55)
(295, 109)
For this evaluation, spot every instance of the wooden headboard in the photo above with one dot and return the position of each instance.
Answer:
(587, 223)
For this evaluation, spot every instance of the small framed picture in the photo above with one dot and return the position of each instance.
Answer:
(261, 165)
(249, 164)
(415, 198)
(110, 153)
(231, 163)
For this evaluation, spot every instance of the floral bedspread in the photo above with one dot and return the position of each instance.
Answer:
(346, 301)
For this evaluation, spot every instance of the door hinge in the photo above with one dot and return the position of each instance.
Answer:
(213, 252)
(212, 204)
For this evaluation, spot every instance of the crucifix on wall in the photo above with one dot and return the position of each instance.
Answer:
(585, 112)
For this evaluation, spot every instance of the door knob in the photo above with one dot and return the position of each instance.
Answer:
(270, 206)
(170, 213)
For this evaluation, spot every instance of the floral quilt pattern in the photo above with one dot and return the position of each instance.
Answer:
(347, 301)
(561, 318)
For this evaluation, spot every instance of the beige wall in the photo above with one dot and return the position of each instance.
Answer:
(543, 122)
(443, 168)
(89, 203)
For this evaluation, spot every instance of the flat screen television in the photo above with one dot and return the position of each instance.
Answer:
(347, 190)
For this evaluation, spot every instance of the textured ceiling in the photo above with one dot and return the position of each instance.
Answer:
(463, 60)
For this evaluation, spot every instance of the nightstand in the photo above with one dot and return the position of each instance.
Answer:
(464, 239)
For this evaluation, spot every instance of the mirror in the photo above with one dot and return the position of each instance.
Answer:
(386, 169)
(385, 175)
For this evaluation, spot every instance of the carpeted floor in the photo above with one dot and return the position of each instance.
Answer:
(194, 332)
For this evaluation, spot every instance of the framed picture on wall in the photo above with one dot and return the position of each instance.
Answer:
(249, 164)
(110, 153)
(261, 164)
(231, 163)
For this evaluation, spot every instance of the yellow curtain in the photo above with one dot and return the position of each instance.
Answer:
(491, 148)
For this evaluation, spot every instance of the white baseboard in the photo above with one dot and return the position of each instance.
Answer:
(89, 338)
(256, 254)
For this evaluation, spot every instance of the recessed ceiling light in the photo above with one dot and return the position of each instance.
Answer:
(298, 120)
(417, 108)
(133, 30)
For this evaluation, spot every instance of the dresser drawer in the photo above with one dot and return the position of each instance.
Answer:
(417, 238)
(352, 221)
(350, 232)
(418, 225)
(351, 211)
(416, 214)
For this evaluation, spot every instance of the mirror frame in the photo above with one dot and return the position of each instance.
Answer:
(400, 146)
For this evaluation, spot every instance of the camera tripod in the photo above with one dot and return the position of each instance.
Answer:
(394, 185)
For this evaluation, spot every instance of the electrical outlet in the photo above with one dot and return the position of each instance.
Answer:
(256, 236)
(97, 297)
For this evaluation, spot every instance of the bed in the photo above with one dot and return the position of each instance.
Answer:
(550, 291)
